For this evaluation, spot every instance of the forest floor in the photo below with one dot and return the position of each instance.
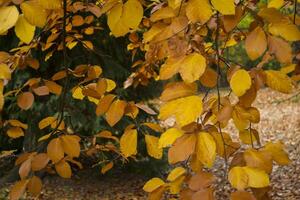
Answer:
(280, 120)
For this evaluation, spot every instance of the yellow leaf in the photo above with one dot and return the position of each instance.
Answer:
(46, 122)
(153, 184)
(5, 71)
(114, 21)
(110, 85)
(8, 18)
(185, 110)
(240, 82)
(77, 93)
(115, 112)
(225, 7)
(63, 169)
(70, 144)
(24, 30)
(258, 159)
(128, 143)
(288, 69)
(176, 173)
(175, 185)
(31, 9)
(107, 167)
(153, 31)
(162, 13)
(275, 3)
(278, 153)
(288, 31)
(178, 89)
(53, 4)
(34, 185)
(278, 81)
(257, 178)
(18, 190)
(55, 150)
(14, 122)
(256, 43)
(238, 178)
(206, 149)
(169, 137)
(132, 14)
(152, 147)
(170, 68)
(15, 132)
(193, 14)
(192, 67)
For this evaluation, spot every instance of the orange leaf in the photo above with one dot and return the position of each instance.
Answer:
(115, 112)
(55, 150)
(35, 185)
(25, 100)
(63, 169)
(70, 144)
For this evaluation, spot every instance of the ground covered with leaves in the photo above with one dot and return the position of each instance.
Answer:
(280, 120)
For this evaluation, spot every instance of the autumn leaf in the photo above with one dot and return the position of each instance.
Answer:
(278, 81)
(206, 149)
(115, 112)
(182, 148)
(240, 82)
(256, 43)
(24, 30)
(192, 67)
(18, 190)
(153, 184)
(70, 144)
(226, 7)
(55, 150)
(128, 143)
(25, 100)
(8, 17)
(192, 11)
(35, 185)
(176, 173)
(152, 147)
(169, 137)
(185, 110)
(63, 169)
(15, 132)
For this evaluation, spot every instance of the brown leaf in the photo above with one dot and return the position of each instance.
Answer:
(104, 104)
(182, 148)
(39, 162)
(25, 100)
(34, 185)
(25, 168)
(201, 181)
(242, 195)
(206, 194)
(18, 190)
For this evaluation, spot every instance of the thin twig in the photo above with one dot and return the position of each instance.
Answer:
(218, 90)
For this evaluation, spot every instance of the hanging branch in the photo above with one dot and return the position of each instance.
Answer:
(218, 89)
